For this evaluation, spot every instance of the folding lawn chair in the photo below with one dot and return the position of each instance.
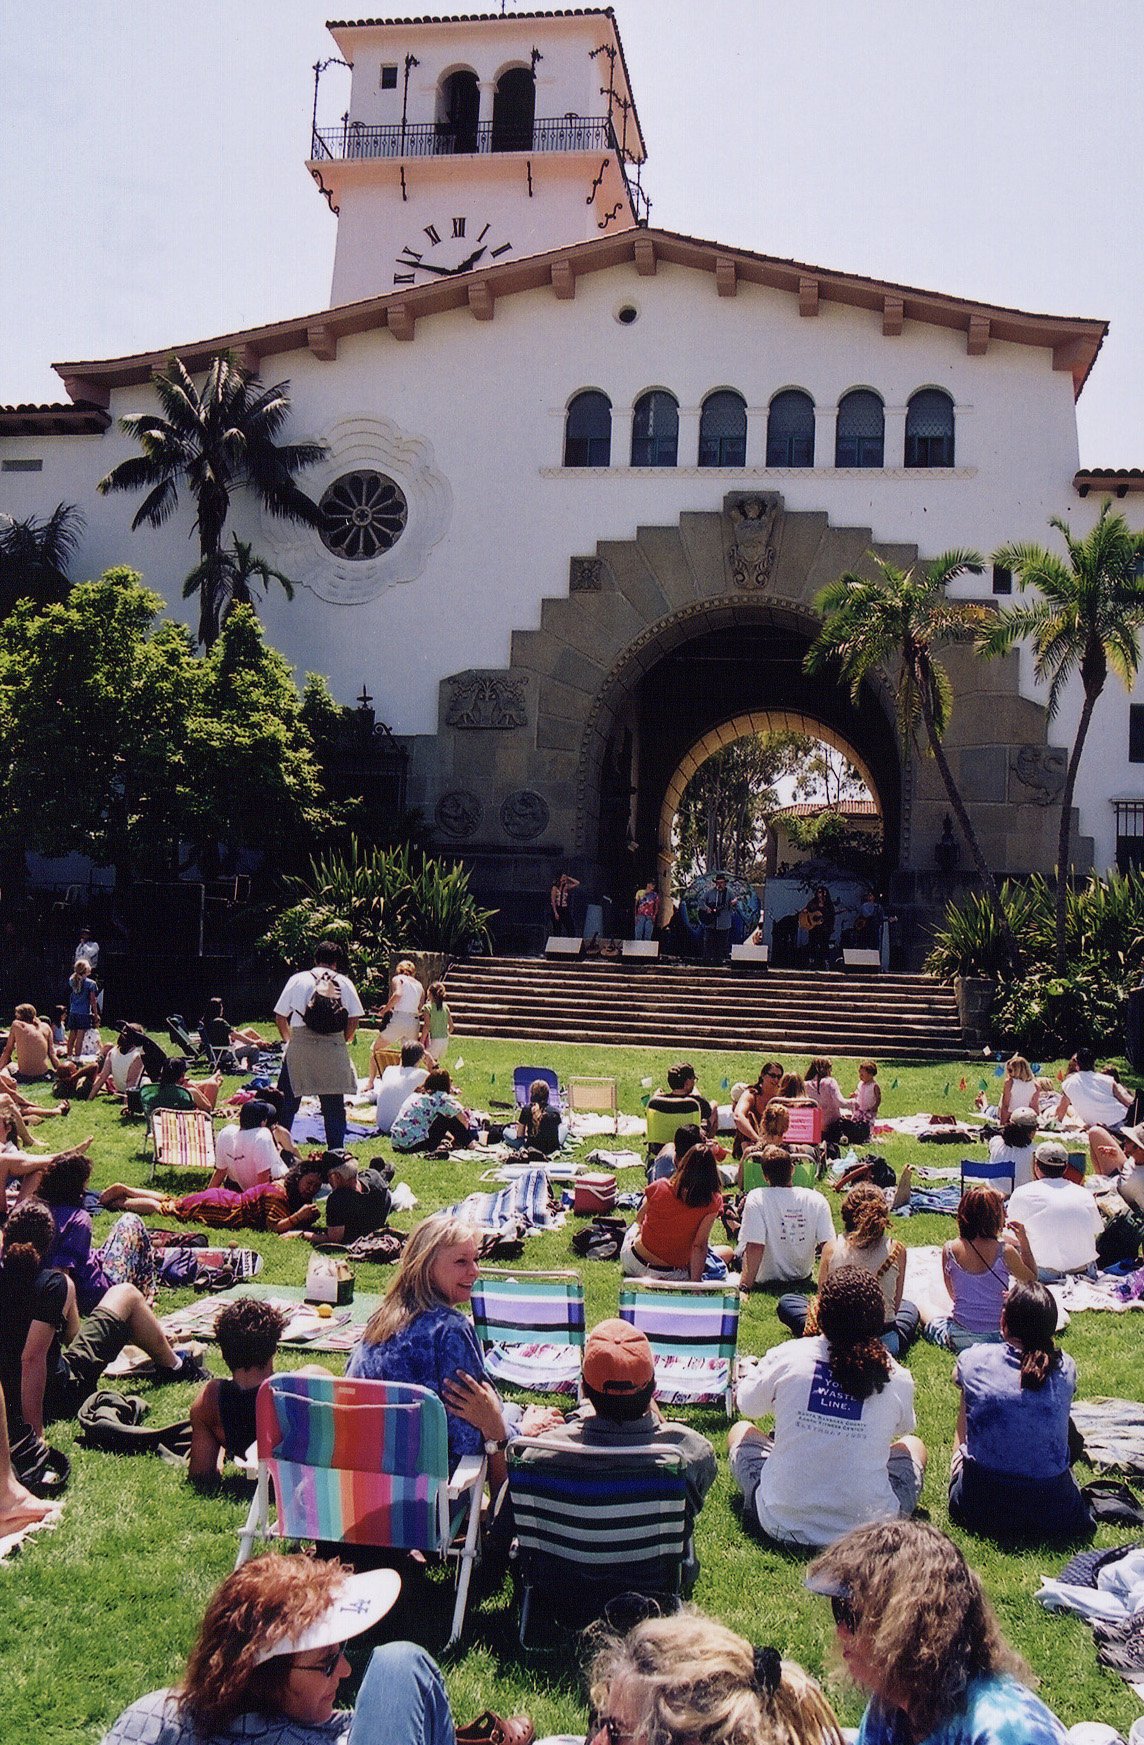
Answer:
(591, 1523)
(364, 1463)
(988, 1172)
(593, 1097)
(523, 1077)
(531, 1329)
(693, 1331)
(661, 1124)
(182, 1139)
(193, 1051)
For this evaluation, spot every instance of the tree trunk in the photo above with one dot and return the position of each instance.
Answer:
(983, 870)
(1059, 956)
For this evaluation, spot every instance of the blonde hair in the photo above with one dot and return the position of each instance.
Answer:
(693, 1679)
(1019, 1068)
(922, 1617)
(776, 1120)
(406, 967)
(412, 1290)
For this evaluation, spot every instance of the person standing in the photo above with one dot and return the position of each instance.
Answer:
(317, 1013)
(88, 949)
(717, 916)
(647, 911)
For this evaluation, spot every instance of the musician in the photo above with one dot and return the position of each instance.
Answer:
(817, 922)
(716, 913)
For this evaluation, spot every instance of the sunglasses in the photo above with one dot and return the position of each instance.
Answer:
(327, 1666)
(845, 1617)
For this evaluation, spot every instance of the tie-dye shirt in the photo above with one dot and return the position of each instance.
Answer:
(998, 1711)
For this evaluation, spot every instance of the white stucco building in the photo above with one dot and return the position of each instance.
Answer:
(586, 476)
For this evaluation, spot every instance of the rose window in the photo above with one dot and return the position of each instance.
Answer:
(363, 514)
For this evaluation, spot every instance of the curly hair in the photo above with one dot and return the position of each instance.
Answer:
(693, 1679)
(776, 1120)
(851, 1316)
(412, 1290)
(268, 1600)
(248, 1332)
(980, 1214)
(865, 1215)
(28, 1234)
(921, 1615)
(65, 1178)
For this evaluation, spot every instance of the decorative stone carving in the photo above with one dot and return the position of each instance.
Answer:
(490, 701)
(524, 815)
(753, 523)
(1040, 770)
(585, 575)
(458, 812)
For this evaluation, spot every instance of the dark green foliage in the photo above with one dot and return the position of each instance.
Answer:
(35, 555)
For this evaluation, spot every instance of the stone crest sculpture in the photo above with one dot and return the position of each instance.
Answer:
(1040, 770)
(754, 521)
(458, 812)
(492, 701)
(524, 814)
(585, 575)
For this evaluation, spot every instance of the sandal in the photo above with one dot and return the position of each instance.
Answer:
(491, 1729)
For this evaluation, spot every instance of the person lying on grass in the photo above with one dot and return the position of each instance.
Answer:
(222, 1416)
(279, 1207)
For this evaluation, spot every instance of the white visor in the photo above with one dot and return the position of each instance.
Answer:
(358, 1604)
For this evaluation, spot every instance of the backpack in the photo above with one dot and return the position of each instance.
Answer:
(324, 1012)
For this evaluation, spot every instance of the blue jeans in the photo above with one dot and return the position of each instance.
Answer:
(333, 1111)
(645, 927)
(792, 1310)
(402, 1700)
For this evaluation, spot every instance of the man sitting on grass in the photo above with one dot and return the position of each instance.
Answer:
(30, 1040)
(784, 1227)
(222, 1416)
(1061, 1219)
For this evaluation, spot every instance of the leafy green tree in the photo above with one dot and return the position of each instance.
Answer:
(899, 621)
(35, 555)
(723, 811)
(1087, 620)
(236, 574)
(215, 442)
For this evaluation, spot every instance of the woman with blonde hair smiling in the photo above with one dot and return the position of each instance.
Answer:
(677, 1680)
(916, 1631)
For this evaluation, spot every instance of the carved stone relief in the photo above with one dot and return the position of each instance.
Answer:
(585, 575)
(1040, 771)
(458, 812)
(754, 520)
(524, 815)
(490, 701)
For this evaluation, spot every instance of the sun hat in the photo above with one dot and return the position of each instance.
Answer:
(359, 1603)
(1135, 1135)
(617, 1359)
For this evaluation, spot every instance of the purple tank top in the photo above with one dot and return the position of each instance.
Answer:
(978, 1296)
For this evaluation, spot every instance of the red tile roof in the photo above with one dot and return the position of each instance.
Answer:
(812, 808)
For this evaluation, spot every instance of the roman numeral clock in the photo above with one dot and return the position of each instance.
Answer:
(448, 248)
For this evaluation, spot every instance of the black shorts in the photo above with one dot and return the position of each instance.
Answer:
(101, 1337)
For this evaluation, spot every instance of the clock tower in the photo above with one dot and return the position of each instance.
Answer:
(472, 141)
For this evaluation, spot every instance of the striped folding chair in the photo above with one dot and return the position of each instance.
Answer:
(594, 1522)
(693, 1331)
(531, 1329)
(364, 1463)
(182, 1139)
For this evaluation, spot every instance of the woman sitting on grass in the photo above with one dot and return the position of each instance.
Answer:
(978, 1267)
(669, 1238)
(270, 1655)
(539, 1126)
(125, 1258)
(432, 1119)
(1011, 1473)
(175, 1090)
(278, 1207)
(865, 1243)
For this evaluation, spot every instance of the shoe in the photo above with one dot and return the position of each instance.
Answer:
(191, 1368)
(442, 1154)
(491, 1729)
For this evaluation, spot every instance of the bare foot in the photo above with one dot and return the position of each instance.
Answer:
(19, 1508)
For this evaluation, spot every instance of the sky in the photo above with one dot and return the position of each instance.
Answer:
(153, 161)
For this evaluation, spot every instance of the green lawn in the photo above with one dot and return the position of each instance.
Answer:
(105, 1608)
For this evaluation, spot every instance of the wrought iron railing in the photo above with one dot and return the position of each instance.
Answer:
(431, 139)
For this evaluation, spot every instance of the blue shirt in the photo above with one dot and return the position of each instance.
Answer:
(1022, 1432)
(998, 1711)
(429, 1351)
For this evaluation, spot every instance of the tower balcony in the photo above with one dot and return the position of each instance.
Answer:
(356, 140)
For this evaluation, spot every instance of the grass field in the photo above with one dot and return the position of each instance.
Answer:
(105, 1608)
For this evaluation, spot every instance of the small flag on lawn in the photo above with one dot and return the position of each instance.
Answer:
(644, 1101)
(459, 1062)
(945, 1093)
(1036, 1066)
(893, 1084)
(963, 1084)
(646, 1083)
(983, 1084)
(998, 1072)
(724, 1084)
(1061, 1076)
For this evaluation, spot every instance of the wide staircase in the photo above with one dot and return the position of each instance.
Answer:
(686, 1006)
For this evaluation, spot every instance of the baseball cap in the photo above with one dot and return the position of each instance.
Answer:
(357, 1605)
(1024, 1118)
(1051, 1156)
(617, 1359)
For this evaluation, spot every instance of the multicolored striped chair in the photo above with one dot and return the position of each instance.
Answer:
(531, 1329)
(693, 1331)
(593, 1522)
(364, 1463)
(182, 1139)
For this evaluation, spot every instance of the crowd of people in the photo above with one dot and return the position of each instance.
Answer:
(824, 1454)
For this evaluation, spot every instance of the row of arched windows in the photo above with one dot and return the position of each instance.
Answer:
(859, 431)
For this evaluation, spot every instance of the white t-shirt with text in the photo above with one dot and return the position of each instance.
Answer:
(247, 1153)
(791, 1224)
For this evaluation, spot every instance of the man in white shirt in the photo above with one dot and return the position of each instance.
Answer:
(88, 949)
(398, 1082)
(1094, 1096)
(318, 1064)
(783, 1227)
(1060, 1218)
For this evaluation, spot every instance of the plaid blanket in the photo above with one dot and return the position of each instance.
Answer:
(522, 1203)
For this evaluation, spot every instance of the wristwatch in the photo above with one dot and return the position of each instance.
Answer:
(496, 1447)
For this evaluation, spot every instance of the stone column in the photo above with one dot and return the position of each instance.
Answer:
(622, 436)
(688, 436)
(894, 449)
(756, 436)
(825, 419)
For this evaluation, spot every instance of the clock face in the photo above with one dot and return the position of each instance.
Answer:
(447, 248)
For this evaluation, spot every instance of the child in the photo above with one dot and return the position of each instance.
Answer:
(59, 1025)
(436, 1024)
(867, 1098)
(222, 1416)
(83, 1007)
(538, 1129)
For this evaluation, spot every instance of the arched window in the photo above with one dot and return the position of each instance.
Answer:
(588, 430)
(861, 434)
(723, 430)
(929, 429)
(458, 111)
(655, 430)
(514, 107)
(790, 430)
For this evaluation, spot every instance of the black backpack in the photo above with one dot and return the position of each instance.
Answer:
(325, 1013)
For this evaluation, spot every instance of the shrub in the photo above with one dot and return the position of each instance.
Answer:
(969, 941)
(1044, 1015)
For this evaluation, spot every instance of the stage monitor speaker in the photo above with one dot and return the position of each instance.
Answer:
(858, 957)
(757, 954)
(641, 947)
(559, 945)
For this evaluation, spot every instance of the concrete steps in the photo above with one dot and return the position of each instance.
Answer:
(684, 1005)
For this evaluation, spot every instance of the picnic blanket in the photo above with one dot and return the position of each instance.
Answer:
(521, 1204)
(306, 1330)
(310, 1129)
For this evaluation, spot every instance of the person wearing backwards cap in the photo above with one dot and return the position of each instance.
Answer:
(618, 1380)
(269, 1658)
(1014, 1144)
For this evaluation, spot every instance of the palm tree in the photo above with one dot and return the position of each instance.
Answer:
(234, 575)
(900, 619)
(34, 556)
(215, 442)
(1087, 620)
